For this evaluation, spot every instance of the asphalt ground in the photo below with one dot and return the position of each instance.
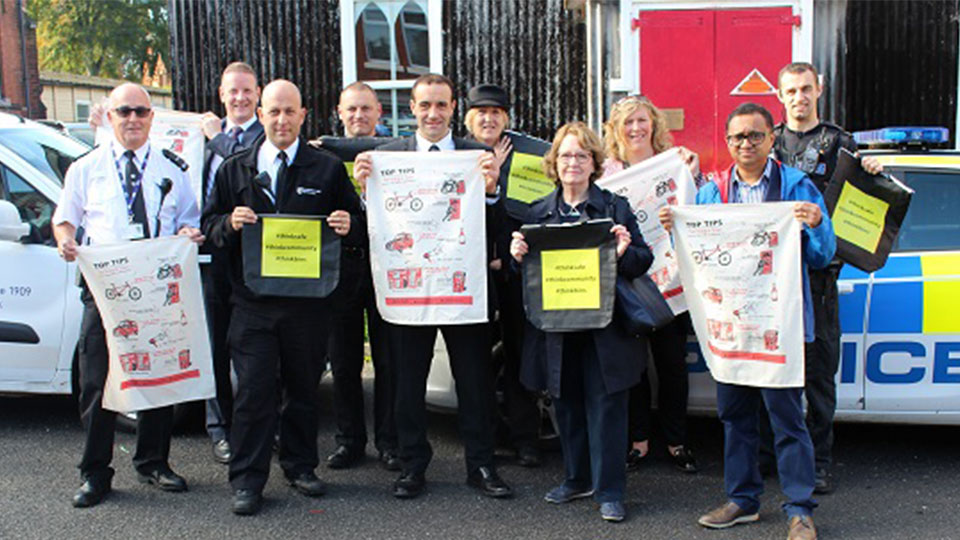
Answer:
(893, 482)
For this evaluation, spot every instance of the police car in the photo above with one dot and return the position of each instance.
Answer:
(900, 343)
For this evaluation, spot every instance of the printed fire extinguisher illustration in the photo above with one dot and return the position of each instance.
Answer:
(459, 281)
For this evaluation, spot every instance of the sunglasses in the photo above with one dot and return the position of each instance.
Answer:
(125, 111)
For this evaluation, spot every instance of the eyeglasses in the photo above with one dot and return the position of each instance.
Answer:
(755, 138)
(579, 157)
(125, 111)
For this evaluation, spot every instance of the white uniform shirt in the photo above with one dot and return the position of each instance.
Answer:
(93, 195)
(268, 160)
(446, 143)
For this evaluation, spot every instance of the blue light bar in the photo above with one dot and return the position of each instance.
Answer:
(903, 135)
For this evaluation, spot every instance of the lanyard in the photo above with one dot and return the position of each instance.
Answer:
(137, 183)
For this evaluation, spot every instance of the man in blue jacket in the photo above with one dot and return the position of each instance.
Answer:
(756, 178)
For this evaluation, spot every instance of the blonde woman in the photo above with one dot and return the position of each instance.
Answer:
(635, 131)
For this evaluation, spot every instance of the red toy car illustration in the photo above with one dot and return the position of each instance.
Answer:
(126, 329)
(400, 242)
(713, 294)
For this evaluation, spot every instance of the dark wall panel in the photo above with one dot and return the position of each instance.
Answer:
(533, 48)
(898, 63)
(292, 39)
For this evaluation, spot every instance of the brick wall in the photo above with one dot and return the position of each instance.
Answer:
(11, 64)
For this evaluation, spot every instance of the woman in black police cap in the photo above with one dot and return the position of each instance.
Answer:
(486, 120)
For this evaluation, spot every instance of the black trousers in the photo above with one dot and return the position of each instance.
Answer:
(469, 351)
(520, 404)
(345, 353)
(154, 426)
(264, 342)
(669, 348)
(216, 299)
(821, 361)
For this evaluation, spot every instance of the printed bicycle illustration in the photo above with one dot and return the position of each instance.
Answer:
(169, 270)
(665, 186)
(702, 255)
(397, 201)
(114, 291)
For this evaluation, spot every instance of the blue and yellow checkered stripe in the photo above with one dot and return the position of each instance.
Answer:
(926, 302)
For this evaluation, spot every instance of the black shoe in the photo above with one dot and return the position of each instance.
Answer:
(164, 479)
(90, 493)
(390, 461)
(409, 485)
(486, 480)
(246, 502)
(683, 460)
(823, 482)
(528, 456)
(344, 458)
(635, 459)
(221, 451)
(308, 484)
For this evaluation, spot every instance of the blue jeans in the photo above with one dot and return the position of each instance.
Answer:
(592, 423)
(737, 407)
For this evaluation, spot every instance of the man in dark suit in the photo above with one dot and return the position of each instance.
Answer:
(433, 104)
(239, 94)
(359, 111)
(276, 338)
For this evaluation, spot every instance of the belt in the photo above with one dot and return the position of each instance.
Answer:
(356, 252)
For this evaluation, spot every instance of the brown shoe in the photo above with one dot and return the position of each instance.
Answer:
(727, 515)
(801, 528)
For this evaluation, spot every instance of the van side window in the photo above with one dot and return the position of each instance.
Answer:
(933, 220)
(33, 206)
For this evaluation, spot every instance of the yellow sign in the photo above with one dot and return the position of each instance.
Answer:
(858, 218)
(527, 181)
(356, 185)
(290, 248)
(571, 279)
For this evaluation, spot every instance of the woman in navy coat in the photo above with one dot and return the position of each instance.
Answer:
(589, 373)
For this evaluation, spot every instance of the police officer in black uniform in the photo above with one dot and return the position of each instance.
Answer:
(805, 142)
(271, 335)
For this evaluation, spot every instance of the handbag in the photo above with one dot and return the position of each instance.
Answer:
(640, 306)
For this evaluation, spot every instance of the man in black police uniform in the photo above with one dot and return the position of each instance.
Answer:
(811, 145)
(271, 333)
(432, 102)
(116, 192)
(239, 94)
(359, 111)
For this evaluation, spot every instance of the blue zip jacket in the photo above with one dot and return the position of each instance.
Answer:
(818, 244)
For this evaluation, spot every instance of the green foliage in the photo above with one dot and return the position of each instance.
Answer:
(103, 38)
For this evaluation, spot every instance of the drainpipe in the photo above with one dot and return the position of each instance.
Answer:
(23, 58)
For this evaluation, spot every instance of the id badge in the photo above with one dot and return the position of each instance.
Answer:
(135, 231)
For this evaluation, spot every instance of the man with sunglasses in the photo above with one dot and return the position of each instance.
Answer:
(122, 191)
(237, 131)
(754, 178)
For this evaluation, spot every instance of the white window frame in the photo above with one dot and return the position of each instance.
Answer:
(76, 115)
(350, 11)
(629, 80)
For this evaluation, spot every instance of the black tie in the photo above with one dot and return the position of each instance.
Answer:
(434, 148)
(132, 181)
(281, 175)
(235, 133)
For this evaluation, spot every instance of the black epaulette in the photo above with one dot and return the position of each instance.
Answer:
(177, 160)
(832, 126)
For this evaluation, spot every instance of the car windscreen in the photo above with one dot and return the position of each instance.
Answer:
(932, 222)
(50, 152)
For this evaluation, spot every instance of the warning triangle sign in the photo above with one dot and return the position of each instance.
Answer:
(754, 84)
